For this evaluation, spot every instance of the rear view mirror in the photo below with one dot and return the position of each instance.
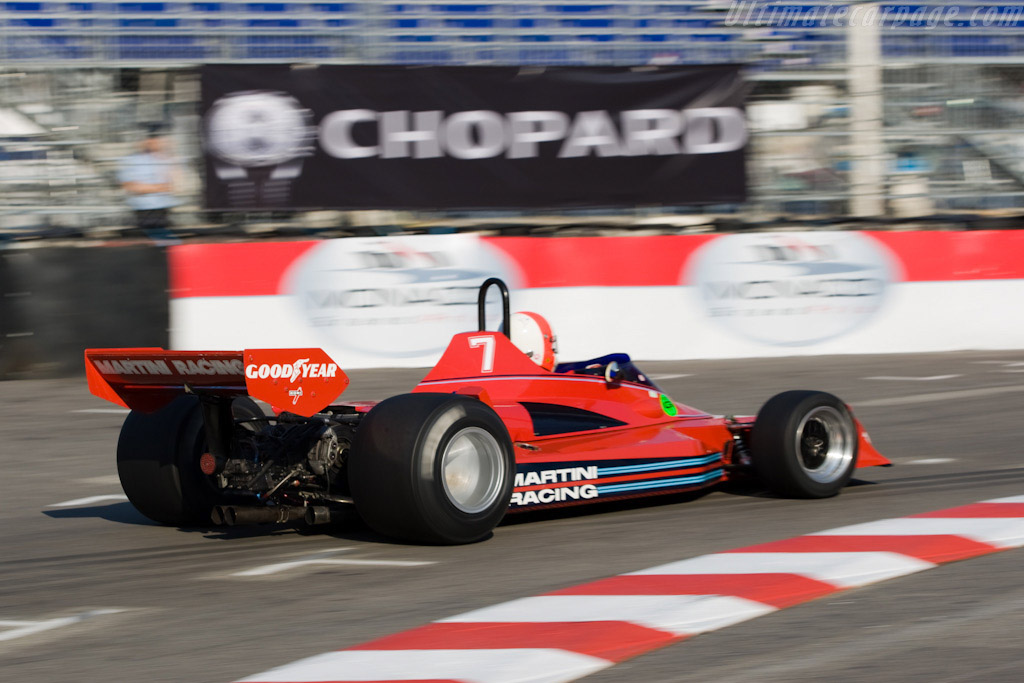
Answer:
(612, 373)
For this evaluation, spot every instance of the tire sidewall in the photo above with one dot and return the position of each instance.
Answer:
(395, 468)
(439, 512)
(776, 454)
(158, 461)
(199, 492)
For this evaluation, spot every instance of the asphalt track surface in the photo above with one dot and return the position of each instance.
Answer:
(92, 591)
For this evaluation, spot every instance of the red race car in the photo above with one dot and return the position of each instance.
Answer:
(494, 427)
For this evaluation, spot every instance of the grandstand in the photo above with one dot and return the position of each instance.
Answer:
(948, 84)
(806, 35)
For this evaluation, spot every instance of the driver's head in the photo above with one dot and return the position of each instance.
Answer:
(532, 335)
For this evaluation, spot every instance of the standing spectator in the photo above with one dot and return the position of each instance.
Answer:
(149, 177)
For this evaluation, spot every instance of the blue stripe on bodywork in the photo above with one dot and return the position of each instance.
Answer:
(663, 465)
(660, 483)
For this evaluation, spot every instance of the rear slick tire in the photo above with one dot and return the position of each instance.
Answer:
(432, 468)
(804, 444)
(158, 461)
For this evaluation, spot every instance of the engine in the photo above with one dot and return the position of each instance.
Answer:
(290, 459)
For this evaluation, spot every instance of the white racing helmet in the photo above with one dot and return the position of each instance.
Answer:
(532, 335)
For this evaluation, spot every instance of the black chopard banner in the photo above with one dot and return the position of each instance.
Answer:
(298, 137)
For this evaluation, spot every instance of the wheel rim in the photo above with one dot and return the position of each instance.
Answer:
(471, 470)
(824, 444)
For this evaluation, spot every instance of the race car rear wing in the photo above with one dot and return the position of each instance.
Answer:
(301, 381)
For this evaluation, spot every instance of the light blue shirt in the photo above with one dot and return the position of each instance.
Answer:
(151, 169)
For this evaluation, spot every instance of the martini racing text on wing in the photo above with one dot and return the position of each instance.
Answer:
(482, 134)
(184, 368)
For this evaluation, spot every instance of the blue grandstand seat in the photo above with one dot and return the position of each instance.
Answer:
(544, 56)
(978, 46)
(32, 22)
(147, 23)
(574, 9)
(19, 155)
(469, 23)
(673, 9)
(587, 23)
(284, 47)
(621, 32)
(713, 37)
(459, 9)
(159, 47)
(46, 47)
(334, 7)
(148, 7)
(272, 23)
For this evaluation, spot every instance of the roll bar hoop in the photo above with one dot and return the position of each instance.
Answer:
(481, 305)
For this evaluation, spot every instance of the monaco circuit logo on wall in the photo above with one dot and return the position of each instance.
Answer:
(396, 297)
(792, 289)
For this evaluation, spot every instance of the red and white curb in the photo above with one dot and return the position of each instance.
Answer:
(573, 632)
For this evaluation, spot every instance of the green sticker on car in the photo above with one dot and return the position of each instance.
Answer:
(668, 406)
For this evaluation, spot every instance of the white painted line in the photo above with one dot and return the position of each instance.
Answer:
(671, 376)
(1009, 499)
(285, 566)
(1004, 532)
(106, 480)
(678, 614)
(323, 558)
(536, 665)
(103, 411)
(89, 500)
(897, 378)
(1005, 363)
(20, 629)
(939, 396)
(843, 569)
(927, 461)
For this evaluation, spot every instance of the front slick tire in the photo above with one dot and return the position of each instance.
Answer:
(158, 461)
(432, 468)
(804, 444)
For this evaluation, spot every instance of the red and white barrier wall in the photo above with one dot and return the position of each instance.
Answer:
(396, 301)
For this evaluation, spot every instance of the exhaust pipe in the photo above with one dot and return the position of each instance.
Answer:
(217, 515)
(318, 514)
(233, 515)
